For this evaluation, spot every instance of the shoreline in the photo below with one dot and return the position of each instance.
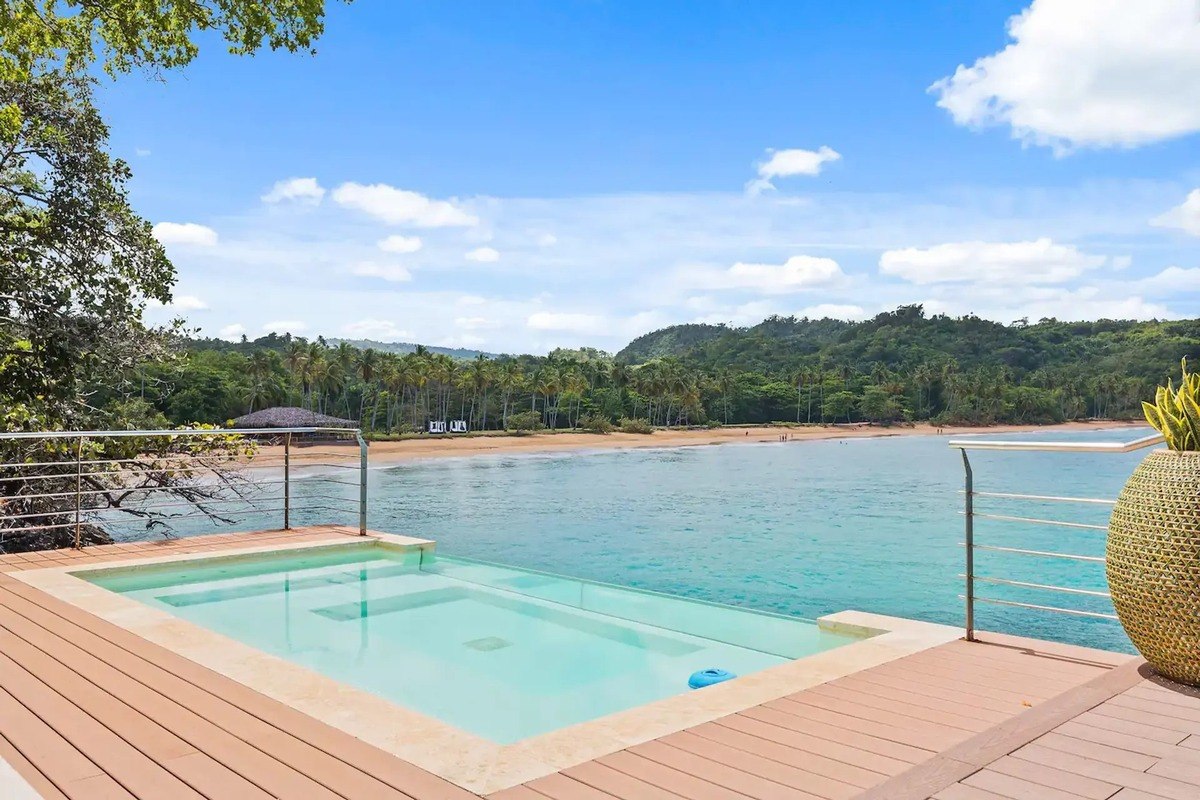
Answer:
(401, 451)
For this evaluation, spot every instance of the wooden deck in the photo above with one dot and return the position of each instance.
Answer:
(89, 710)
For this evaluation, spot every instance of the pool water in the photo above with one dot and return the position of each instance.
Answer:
(500, 652)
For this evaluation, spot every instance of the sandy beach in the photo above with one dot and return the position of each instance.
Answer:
(458, 447)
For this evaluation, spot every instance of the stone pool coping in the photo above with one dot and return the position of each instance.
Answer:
(463, 758)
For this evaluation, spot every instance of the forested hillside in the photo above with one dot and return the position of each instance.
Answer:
(906, 339)
(901, 365)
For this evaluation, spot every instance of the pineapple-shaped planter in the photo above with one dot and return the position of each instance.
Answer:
(1153, 552)
(1153, 562)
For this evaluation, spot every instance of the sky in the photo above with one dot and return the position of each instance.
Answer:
(522, 176)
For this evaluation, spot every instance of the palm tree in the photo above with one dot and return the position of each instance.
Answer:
(799, 380)
(295, 356)
(511, 379)
(725, 381)
(365, 367)
(923, 377)
(574, 383)
(345, 357)
(821, 375)
(314, 363)
(265, 387)
(480, 377)
(546, 383)
(331, 380)
(419, 378)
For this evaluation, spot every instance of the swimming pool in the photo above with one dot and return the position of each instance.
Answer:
(502, 653)
(801, 528)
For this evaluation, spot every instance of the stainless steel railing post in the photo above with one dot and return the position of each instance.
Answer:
(362, 483)
(78, 493)
(969, 542)
(287, 482)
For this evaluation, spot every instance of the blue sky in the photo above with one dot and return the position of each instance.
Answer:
(528, 175)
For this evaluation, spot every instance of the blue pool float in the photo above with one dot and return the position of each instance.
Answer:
(707, 677)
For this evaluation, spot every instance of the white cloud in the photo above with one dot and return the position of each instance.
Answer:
(180, 302)
(141, 152)
(378, 329)
(547, 240)
(833, 311)
(484, 255)
(473, 323)
(567, 322)
(796, 274)
(388, 272)
(400, 244)
(1037, 261)
(285, 326)
(1171, 282)
(756, 311)
(788, 163)
(1087, 73)
(465, 341)
(232, 332)
(623, 256)
(402, 207)
(185, 233)
(1185, 216)
(301, 190)
(1006, 304)
(187, 302)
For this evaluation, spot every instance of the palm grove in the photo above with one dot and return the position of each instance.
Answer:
(901, 365)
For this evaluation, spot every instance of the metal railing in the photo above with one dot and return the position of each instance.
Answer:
(93, 484)
(970, 546)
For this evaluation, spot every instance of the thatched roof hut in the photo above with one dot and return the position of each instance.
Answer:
(291, 417)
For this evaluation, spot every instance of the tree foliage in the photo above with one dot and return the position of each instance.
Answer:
(124, 35)
(77, 265)
(898, 366)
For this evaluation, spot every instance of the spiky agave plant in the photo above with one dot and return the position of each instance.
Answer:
(1175, 413)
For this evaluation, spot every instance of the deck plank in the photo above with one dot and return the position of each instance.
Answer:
(272, 772)
(561, 787)
(799, 777)
(1016, 788)
(1043, 775)
(240, 730)
(1056, 740)
(923, 687)
(934, 735)
(731, 778)
(685, 783)
(140, 774)
(618, 784)
(847, 769)
(833, 746)
(884, 745)
(941, 715)
(87, 695)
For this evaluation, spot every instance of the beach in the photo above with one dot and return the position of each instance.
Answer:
(389, 452)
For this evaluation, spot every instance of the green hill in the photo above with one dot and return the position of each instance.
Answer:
(671, 341)
(277, 342)
(906, 338)
(410, 347)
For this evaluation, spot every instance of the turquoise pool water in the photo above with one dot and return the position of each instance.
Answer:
(500, 652)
